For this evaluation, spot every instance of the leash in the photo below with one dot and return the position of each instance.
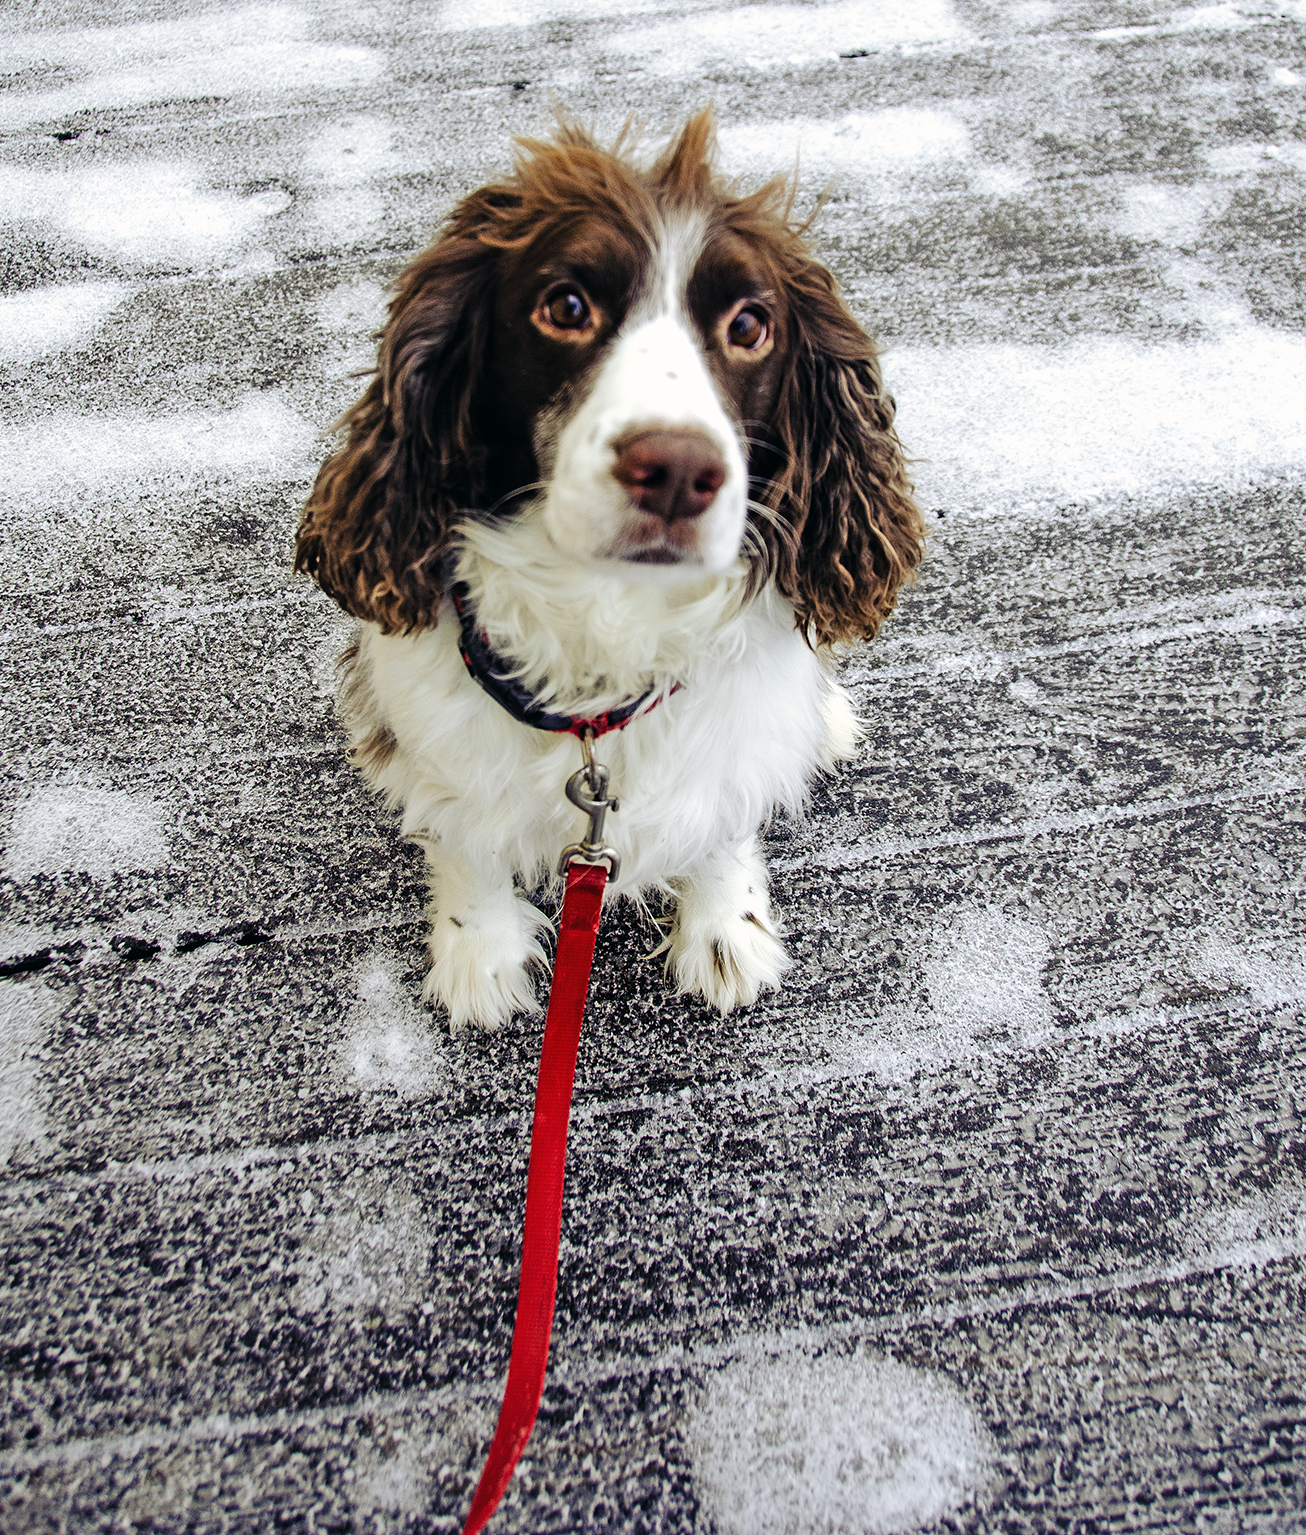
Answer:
(587, 865)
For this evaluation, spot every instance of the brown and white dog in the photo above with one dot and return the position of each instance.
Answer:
(625, 416)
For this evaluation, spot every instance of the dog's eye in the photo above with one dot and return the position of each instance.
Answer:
(567, 309)
(748, 329)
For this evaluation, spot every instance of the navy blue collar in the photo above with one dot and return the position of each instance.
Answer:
(493, 673)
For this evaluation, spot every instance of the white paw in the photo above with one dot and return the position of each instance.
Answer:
(483, 960)
(726, 956)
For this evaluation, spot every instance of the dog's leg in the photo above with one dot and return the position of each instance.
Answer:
(484, 943)
(724, 942)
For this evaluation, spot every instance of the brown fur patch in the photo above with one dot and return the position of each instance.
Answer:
(375, 750)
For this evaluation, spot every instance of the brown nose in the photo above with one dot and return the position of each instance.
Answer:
(671, 474)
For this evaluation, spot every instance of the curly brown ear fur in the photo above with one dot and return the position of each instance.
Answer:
(379, 517)
(849, 533)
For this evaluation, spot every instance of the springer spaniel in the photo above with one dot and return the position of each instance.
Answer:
(626, 456)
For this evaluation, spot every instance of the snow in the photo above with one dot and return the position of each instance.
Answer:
(1205, 18)
(348, 160)
(398, 1483)
(769, 37)
(1274, 973)
(67, 454)
(260, 50)
(56, 319)
(1259, 1229)
(27, 1014)
(983, 991)
(896, 138)
(368, 1251)
(389, 1043)
(72, 828)
(149, 214)
(984, 975)
(465, 15)
(351, 314)
(791, 1443)
(1104, 415)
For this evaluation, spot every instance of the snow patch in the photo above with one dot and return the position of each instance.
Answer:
(1102, 416)
(895, 139)
(368, 1251)
(1260, 1229)
(1255, 159)
(1169, 215)
(152, 213)
(356, 150)
(348, 159)
(1205, 18)
(351, 314)
(62, 455)
(1274, 974)
(985, 974)
(1281, 76)
(74, 829)
(388, 1044)
(785, 1443)
(324, 672)
(767, 37)
(259, 51)
(27, 1014)
(983, 991)
(354, 311)
(396, 1484)
(348, 216)
(465, 15)
(44, 320)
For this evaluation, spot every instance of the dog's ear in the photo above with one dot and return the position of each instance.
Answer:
(379, 518)
(839, 478)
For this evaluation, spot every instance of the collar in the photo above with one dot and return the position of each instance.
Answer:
(493, 673)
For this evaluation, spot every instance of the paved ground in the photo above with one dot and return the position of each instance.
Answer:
(995, 1218)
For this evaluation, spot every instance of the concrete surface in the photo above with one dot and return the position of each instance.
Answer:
(995, 1218)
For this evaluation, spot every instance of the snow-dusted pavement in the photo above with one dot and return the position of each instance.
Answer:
(996, 1215)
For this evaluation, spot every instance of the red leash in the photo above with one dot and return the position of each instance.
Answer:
(578, 929)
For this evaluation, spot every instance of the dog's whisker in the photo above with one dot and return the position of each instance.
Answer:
(514, 495)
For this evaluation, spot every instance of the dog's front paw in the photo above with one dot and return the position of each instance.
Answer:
(726, 956)
(483, 961)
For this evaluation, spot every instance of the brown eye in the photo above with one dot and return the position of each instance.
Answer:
(567, 310)
(747, 329)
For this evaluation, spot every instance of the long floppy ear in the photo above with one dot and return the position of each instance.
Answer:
(379, 518)
(841, 480)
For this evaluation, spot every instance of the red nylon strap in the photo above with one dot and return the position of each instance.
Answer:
(578, 928)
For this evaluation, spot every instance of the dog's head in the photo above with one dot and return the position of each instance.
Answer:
(664, 362)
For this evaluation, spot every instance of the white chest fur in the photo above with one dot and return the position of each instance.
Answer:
(742, 735)
(746, 714)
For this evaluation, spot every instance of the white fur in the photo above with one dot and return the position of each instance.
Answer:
(748, 727)
(724, 943)
(483, 942)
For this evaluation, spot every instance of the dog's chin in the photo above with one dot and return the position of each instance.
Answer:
(665, 564)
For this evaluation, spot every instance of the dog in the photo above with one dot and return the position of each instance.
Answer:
(626, 461)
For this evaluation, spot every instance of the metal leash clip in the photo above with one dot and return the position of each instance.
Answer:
(587, 789)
